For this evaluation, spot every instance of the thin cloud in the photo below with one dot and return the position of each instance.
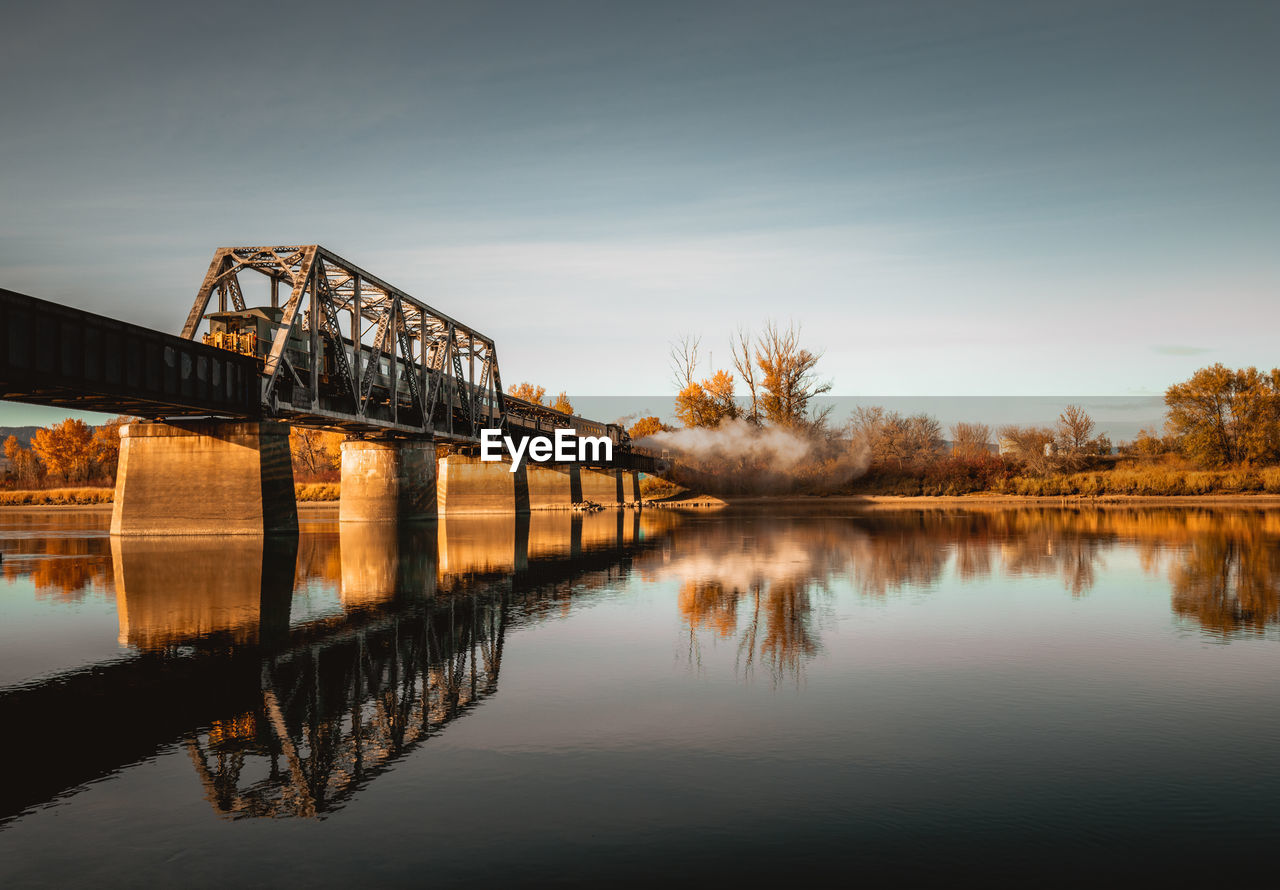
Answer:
(1174, 349)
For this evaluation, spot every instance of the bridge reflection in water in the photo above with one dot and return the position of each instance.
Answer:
(290, 712)
(289, 717)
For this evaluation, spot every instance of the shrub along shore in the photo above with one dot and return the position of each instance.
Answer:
(1123, 483)
(1153, 481)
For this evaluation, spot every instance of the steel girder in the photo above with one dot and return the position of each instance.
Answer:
(352, 351)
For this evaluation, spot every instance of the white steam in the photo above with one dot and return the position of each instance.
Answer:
(734, 441)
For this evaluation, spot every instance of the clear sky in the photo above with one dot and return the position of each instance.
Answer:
(952, 198)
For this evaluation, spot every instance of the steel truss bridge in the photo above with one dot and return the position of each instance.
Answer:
(336, 348)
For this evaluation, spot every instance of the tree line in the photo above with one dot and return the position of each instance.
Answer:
(1218, 418)
(68, 453)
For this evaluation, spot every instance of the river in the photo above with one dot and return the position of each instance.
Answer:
(779, 693)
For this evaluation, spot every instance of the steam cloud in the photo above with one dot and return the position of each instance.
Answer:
(739, 457)
(734, 440)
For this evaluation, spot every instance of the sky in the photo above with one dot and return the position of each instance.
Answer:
(950, 198)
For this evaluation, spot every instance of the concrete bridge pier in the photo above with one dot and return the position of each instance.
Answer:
(554, 487)
(604, 487)
(630, 487)
(204, 477)
(466, 484)
(611, 488)
(388, 480)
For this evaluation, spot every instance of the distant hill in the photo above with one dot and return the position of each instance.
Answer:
(24, 434)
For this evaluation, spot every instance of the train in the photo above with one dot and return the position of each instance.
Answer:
(252, 332)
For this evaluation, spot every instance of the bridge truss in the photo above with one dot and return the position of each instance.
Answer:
(336, 348)
(351, 351)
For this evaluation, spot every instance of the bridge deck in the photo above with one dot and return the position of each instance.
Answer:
(56, 355)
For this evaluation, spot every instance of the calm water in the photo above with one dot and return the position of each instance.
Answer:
(1020, 695)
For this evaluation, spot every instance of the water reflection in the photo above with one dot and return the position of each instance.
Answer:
(289, 712)
(334, 714)
(232, 590)
(756, 578)
(285, 714)
(1229, 582)
(62, 554)
(380, 562)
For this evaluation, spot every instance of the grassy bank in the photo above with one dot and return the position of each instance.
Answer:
(1128, 482)
(1149, 482)
(1153, 481)
(61, 497)
(317, 491)
(56, 497)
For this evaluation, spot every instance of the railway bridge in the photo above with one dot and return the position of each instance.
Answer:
(300, 336)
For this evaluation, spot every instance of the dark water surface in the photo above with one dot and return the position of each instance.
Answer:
(770, 695)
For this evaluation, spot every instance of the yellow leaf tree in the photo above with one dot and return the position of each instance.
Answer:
(66, 450)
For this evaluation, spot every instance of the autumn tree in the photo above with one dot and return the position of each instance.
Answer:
(562, 403)
(708, 402)
(787, 380)
(970, 440)
(1221, 416)
(106, 446)
(66, 450)
(720, 398)
(316, 453)
(528, 392)
(23, 463)
(647, 426)
(1149, 445)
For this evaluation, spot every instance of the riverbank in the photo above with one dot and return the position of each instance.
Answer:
(984, 499)
(960, 478)
(327, 494)
(324, 492)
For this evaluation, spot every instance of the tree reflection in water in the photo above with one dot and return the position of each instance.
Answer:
(1229, 582)
(753, 577)
(755, 580)
(65, 554)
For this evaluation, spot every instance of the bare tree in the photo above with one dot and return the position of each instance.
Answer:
(1075, 426)
(890, 439)
(1033, 445)
(684, 361)
(740, 344)
(970, 440)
